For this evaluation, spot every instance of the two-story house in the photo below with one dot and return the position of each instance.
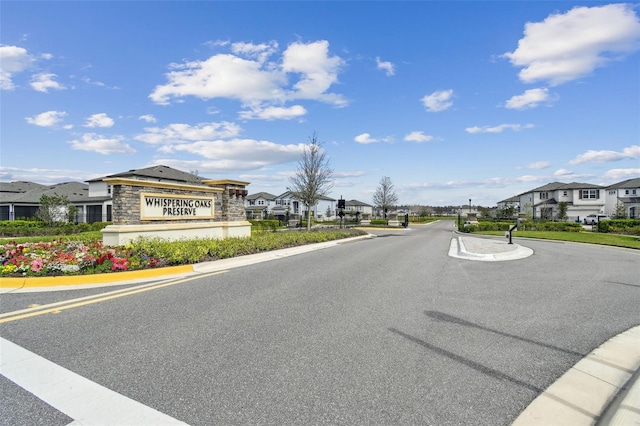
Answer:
(582, 200)
(626, 192)
(259, 205)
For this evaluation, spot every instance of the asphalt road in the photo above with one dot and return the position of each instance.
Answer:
(389, 330)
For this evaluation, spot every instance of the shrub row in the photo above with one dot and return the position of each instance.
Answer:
(27, 228)
(620, 226)
(194, 251)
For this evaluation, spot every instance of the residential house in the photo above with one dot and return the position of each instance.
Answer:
(288, 207)
(582, 200)
(626, 192)
(509, 203)
(21, 200)
(259, 205)
(354, 206)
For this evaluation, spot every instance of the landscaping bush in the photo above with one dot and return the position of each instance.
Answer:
(530, 225)
(28, 228)
(620, 226)
(265, 225)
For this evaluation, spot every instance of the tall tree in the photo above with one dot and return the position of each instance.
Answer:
(385, 195)
(314, 177)
(53, 210)
(563, 207)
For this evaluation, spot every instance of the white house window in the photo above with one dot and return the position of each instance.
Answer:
(261, 202)
(633, 192)
(252, 202)
(590, 194)
(564, 193)
(626, 192)
(109, 189)
(544, 195)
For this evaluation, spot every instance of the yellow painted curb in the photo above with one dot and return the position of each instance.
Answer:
(92, 279)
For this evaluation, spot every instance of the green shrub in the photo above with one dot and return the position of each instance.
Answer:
(530, 225)
(620, 226)
(265, 225)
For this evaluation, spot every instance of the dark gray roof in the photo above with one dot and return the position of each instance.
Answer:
(74, 191)
(264, 195)
(546, 202)
(160, 173)
(629, 183)
(289, 193)
(357, 203)
(19, 186)
(554, 186)
(514, 199)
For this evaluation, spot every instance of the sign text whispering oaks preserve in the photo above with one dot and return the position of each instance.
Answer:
(155, 206)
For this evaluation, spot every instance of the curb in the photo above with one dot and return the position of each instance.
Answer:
(587, 393)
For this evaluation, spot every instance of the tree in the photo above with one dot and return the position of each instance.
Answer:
(385, 195)
(314, 177)
(562, 210)
(53, 209)
(619, 212)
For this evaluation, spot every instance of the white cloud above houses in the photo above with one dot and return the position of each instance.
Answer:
(438, 101)
(418, 136)
(365, 139)
(244, 153)
(180, 132)
(386, 66)
(43, 82)
(13, 60)
(531, 98)
(538, 165)
(273, 113)
(149, 118)
(603, 156)
(498, 129)
(571, 45)
(46, 119)
(622, 174)
(99, 120)
(102, 144)
(246, 75)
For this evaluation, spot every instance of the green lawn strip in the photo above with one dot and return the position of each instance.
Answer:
(627, 241)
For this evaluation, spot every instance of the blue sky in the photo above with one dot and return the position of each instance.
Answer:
(453, 101)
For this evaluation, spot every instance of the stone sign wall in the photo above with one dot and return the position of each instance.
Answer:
(174, 211)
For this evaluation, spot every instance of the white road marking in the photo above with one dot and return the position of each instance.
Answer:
(86, 402)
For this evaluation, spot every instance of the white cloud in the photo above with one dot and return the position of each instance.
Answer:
(149, 118)
(260, 52)
(46, 119)
(178, 132)
(43, 82)
(365, 138)
(99, 120)
(622, 174)
(101, 144)
(418, 136)
(273, 113)
(253, 80)
(47, 56)
(498, 129)
(386, 66)
(568, 46)
(13, 59)
(563, 173)
(529, 99)
(632, 151)
(538, 165)
(242, 154)
(318, 71)
(438, 101)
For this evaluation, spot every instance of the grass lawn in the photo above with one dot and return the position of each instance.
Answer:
(627, 241)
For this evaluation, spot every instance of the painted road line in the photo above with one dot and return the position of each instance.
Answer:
(78, 397)
(88, 300)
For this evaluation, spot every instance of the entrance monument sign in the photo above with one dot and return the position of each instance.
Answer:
(171, 210)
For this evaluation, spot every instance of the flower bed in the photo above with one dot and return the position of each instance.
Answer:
(69, 258)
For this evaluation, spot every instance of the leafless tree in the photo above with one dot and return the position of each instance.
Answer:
(385, 195)
(314, 177)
